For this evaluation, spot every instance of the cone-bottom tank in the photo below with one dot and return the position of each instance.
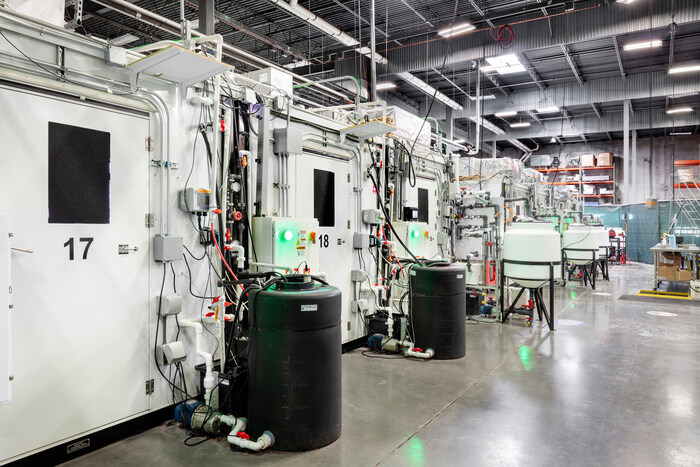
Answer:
(578, 241)
(438, 300)
(295, 365)
(530, 242)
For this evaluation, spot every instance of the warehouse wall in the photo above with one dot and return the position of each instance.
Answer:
(662, 156)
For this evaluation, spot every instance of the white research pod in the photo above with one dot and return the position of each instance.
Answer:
(603, 242)
(579, 242)
(530, 242)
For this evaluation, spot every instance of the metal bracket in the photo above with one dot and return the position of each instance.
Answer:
(124, 249)
(165, 164)
(150, 387)
(149, 144)
(150, 220)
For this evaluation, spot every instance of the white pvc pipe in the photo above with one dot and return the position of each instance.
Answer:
(264, 441)
(270, 265)
(209, 380)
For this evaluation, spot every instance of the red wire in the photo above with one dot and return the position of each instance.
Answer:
(223, 260)
(397, 258)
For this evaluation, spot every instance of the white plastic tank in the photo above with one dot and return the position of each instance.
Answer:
(603, 242)
(530, 241)
(582, 237)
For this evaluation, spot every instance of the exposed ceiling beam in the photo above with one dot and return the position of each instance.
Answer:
(531, 71)
(572, 27)
(456, 86)
(425, 20)
(566, 114)
(497, 83)
(619, 58)
(226, 19)
(597, 110)
(534, 116)
(657, 84)
(570, 59)
(609, 135)
(583, 137)
(611, 122)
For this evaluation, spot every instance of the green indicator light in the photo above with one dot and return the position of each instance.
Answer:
(415, 234)
(287, 235)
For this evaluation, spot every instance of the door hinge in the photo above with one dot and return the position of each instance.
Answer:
(348, 223)
(348, 178)
(149, 144)
(149, 387)
(150, 220)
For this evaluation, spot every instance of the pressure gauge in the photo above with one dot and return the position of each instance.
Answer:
(236, 187)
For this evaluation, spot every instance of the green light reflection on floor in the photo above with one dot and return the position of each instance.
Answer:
(415, 452)
(525, 354)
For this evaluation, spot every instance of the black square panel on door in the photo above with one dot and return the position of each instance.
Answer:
(79, 175)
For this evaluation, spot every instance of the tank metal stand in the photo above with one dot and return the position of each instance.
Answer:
(535, 294)
(589, 271)
(603, 264)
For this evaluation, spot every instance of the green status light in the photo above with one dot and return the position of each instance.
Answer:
(287, 235)
(415, 234)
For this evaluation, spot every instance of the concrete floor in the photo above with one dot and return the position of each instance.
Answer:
(613, 385)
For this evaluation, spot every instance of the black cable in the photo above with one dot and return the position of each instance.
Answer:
(192, 255)
(189, 273)
(386, 215)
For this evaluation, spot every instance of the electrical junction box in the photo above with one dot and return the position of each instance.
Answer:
(280, 82)
(287, 140)
(171, 304)
(173, 352)
(372, 216)
(360, 241)
(167, 248)
(416, 235)
(194, 200)
(115, 55)
(291, 243)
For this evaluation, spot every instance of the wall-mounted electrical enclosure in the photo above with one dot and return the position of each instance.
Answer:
(194, 200)
(287, 242)
(167, 248)
(416, 235)
(372, 216)
(287, 140)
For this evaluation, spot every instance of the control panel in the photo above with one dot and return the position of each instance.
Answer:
(416, 235)
(286, 242)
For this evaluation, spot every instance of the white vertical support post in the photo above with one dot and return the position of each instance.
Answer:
(634, 169)
(626, 153)
(5, 307)
(448, 126)
(373, 46)
(494, 149)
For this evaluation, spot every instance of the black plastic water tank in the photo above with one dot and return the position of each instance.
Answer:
(294, 364)
(438, 301)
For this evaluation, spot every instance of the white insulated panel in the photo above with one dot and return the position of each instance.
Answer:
(5, 311)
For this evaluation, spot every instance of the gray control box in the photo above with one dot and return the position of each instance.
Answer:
(360, 241)
(194, 200)
(167, 248)
(372, 216)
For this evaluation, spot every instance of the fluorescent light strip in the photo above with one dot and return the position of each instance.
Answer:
(683, 69)
(509, 113)
(428, 89)
(456, 30)
(642, 45)
(548, 110)
(520, 125)
(484, 97)
(504, 65)
(123, 40)
(384, 86)
(679, 110)
(682, 133)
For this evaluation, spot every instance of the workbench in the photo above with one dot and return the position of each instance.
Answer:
(684, 251)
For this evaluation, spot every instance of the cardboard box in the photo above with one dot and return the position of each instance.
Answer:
(686, 176)
(683, 275)
(604, 159)
(664, 271)
(671, 259)
(588, 160)
(588, 189)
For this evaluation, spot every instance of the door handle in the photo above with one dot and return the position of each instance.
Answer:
(124, 249)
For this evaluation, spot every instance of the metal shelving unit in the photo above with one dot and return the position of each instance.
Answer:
(581, 170)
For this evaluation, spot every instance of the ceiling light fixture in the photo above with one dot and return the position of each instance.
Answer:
(385, 86)
(428, 89)
(509, 113)
(520, 125)
(642, 45)
(456, 30)
(682, 133)
(482, 97)
(547, 110)
(679, 110)
(504, 65)
(297, 64)
(683, 69)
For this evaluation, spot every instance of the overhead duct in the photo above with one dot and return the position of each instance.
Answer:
(165, 24)
(324, 26)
